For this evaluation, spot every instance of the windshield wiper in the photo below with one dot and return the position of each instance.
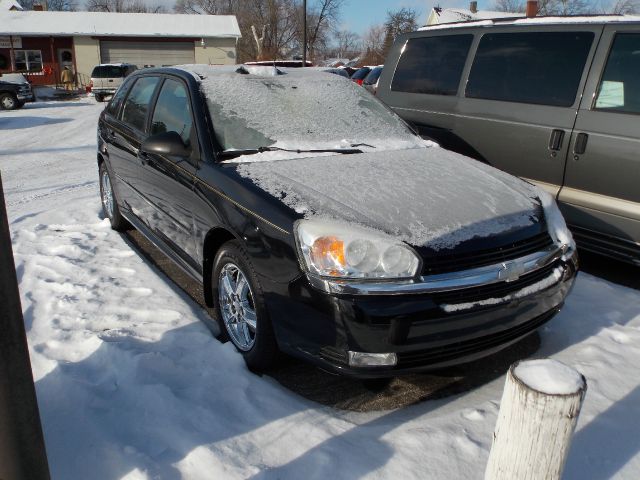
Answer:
(252, 151)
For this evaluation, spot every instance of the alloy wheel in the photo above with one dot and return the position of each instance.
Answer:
(107, 194)
(8, 102)
(237, 306)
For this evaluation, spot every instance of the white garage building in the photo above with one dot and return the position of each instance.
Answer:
(42, 43)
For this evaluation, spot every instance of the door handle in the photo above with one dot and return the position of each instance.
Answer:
(581, 144)
(144, 158)
(555, 141)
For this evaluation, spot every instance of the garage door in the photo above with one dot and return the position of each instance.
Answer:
(147, 53)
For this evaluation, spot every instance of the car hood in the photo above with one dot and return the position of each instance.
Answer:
(425, 196)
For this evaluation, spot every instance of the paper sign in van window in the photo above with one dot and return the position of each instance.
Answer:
(611, 95)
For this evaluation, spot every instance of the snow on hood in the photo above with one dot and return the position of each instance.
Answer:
(425, 196)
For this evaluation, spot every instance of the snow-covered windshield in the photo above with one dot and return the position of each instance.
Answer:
(299, 110)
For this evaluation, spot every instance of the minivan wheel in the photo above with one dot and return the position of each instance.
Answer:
(8, 101)
(240, 307)
(109, 204)
(99, 98)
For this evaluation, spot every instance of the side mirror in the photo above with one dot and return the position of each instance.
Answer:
(167, 143)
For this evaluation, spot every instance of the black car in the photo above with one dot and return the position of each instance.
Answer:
(15, 91)
(320, 225)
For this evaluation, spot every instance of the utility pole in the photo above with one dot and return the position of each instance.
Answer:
(22, 452)
(304, 33)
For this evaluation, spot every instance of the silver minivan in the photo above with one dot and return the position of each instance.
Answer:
(553, 100)
(106, 78)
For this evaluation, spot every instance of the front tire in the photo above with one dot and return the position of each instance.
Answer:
(240, 307)
(8, 101)
(110, 206)
(99, 98)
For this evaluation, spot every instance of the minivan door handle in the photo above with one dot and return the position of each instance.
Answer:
(555, 141)
(581, 144)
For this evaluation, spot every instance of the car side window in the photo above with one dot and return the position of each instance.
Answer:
(432, 65)
(116, 101)
(173, 111)
(542, 68)
(619, 88)
(136, 106)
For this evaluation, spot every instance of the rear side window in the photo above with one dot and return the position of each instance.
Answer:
(116, 101)
(173, 111)
(541, 68)
(432, 65)
(373, 76)
(619, 88)
(108, 71)
(134, 112)
(360, 74)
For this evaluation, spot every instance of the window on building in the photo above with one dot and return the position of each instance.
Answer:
(134, 112)
(432, 65)
(4, 62)
(173, 112)
(619, 88)
(542, 68)
(28, 60)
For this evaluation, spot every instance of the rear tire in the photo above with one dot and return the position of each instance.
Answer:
(8, 101)
(99, 98)
(240, 308)
(109, 202)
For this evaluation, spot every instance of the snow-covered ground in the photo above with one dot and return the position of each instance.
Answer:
(132, 385)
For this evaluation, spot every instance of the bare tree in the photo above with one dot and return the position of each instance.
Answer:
(401, 21)
(322, 17)
(123, 6)
(625, 7)
(372, 43)
(347, 44)
(52, 5)
(514, 6)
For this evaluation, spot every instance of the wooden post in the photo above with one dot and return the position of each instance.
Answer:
(22, 452)
(538, 414)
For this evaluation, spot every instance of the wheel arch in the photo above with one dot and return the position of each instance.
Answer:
(215, 238)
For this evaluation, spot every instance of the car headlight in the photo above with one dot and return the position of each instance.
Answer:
(333, 249)
(555, 221)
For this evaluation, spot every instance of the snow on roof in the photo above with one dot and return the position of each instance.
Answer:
(118, 24)
(451, 15)
(540, 21)
(6, 5)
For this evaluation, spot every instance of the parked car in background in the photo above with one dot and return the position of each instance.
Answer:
(370, 82)
(15, 91)
(343, 237)
(106, 78)
(555, 101)
(335, 71)
(360, 74)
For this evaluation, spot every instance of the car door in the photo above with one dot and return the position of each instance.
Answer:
(600, 197)
(521, 97)
(167, 180)
(126, 137)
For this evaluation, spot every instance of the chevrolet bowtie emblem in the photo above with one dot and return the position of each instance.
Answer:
(510, 271)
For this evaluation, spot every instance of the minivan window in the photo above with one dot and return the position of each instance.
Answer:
(134, 112)
(541, 68)
(173, 112)
(619, 87)
(432, 65)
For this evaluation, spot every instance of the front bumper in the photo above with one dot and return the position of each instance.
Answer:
(25, 97)
(425, 330)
